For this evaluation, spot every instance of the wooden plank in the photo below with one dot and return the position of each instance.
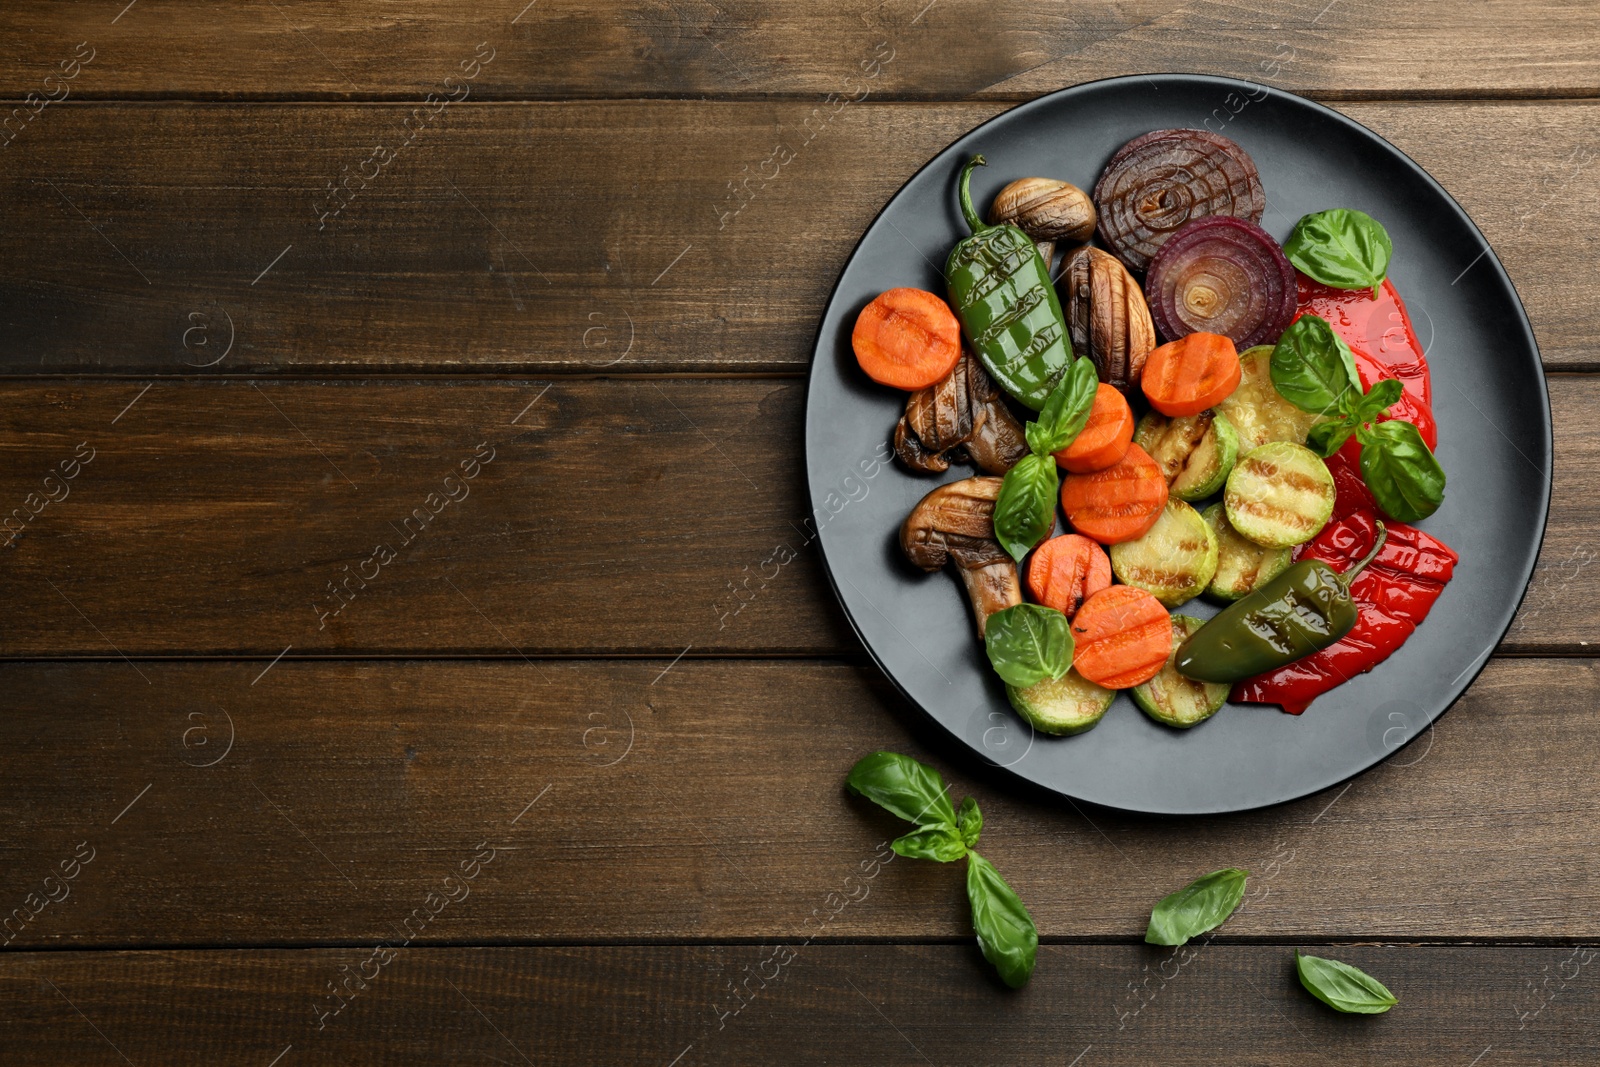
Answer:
(616, 517)
(573, 238)
(350, 792)
(565, 48)
(820, 1004)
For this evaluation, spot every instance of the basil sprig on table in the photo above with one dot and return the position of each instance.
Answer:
(1343, 987)
(1025, 511)
(1343, 248)
(1314, 370)
(1204, 904)
(1028, 643)
(915, 792)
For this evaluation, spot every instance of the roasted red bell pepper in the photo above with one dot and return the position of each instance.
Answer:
(1393, 595)
(1381, 328)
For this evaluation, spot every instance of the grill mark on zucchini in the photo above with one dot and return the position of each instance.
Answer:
(1283, 516)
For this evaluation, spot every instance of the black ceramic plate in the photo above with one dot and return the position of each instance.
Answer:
(1494, 444)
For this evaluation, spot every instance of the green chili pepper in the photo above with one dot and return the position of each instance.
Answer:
(1000, 288)
(1303, 610)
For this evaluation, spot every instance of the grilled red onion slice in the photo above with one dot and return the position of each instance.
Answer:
(1156, 183)
(1221, 275)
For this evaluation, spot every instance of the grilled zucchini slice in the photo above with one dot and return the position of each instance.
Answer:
(1174, 561)
(1195, 452)
(1070, 704)
(1174, 700)
(1279, 495)
(1258, 413)
(1242, 565)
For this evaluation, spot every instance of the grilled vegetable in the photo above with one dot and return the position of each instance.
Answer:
(1104, 438)
(955, 524)
(1070, 704)
(1279, 495)
(1394, 596)
(1046, 210)
(1156, 183)
(1067, 570)
(1000, 288)
(1107, 317)
(1118, 503)
(1303, 610)
(1195, 452)
(1123, 637)
(1174, 700)
(1195, 372)
(1242, 565)
(1174, 561)
(906, 338)
(1221, 275)
(962, 413)
(1256, 409)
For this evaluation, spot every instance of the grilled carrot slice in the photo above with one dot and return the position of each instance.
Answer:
(1067, 570)
(1119, 503)
(1186, 376)
(907, 338)
(1104, 439)
(1122, 636)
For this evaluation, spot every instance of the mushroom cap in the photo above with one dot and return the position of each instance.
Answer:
(954, 522)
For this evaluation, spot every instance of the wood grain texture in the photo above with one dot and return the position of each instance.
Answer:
(575, 238)
(826, 1004)
(953, 48)
(630, 801)
(616, 517)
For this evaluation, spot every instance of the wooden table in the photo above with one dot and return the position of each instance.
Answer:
(398, 397)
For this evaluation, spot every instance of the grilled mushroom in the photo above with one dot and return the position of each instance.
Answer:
(997, 441)
(955, 523)
(964, 409)
(1046, 210)
(1107, 317)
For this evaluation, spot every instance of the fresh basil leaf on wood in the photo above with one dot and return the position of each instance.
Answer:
(1005, 930)
(1006, 933)
(1344, 248)
(1343, 987)
(970, 820)
(1028, 643)
(911, 790)
(1313, 368)
(1066, 411)
(1326, 438)
(1405, 478)
(1201, 905)
(941, 843)
(1025, 510)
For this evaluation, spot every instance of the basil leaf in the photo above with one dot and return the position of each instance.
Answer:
(1383, 395)
(1204, 904)
(1005, 930)
(1326, 438)
(970, 820)
(911, 790)
(1405, 478)
(1028, 643)
(1312, 367)
(1343, 987)
(942, 843)
(1066, 411)
(1343, 248)
(1025, 511)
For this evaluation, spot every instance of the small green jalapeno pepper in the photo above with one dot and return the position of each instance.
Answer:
(1303, 610)
(1000, 288)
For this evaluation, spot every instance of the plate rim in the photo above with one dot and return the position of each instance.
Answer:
(1503, 279)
